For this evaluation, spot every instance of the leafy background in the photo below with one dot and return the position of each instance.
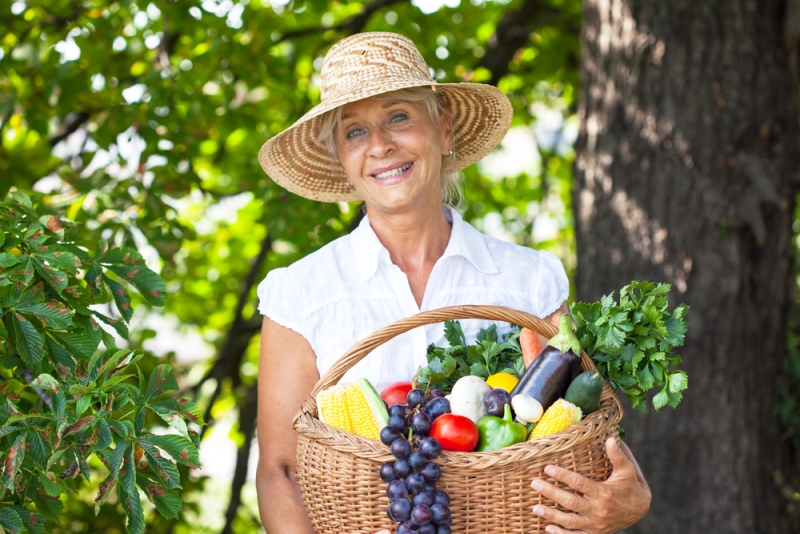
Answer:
(141, 120)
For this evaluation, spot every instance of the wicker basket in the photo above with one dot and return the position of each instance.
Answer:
(489, 491)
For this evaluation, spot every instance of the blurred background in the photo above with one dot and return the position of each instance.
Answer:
(652, 139)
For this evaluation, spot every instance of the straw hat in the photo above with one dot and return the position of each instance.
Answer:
(365, 65)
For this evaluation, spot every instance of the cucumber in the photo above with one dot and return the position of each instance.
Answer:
(584, 392)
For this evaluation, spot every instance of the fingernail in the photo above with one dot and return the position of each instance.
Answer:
(538, 510)
(549, 529)
(538, 485)
(550, 470)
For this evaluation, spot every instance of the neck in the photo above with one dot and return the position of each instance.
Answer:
(415, 239)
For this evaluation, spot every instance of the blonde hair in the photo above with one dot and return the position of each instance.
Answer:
(452, 189)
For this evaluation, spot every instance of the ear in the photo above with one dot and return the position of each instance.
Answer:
(446, 120)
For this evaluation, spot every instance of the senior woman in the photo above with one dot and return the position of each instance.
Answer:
(387, 134)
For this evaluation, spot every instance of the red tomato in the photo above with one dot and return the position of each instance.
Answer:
(455, 432)
(396, 393)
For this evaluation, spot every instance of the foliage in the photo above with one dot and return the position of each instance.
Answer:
(68, 393)
(632, 342)
(488, 355)
(141, 121)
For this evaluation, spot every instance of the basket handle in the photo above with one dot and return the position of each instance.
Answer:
(499, 313)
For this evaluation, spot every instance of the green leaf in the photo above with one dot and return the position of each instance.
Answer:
(454, 334)
(46, 382)
(120, 359)
(39, 449)
(179, 448)
(116, 324)
(678, 381)
(184, 407)
(82, 404)
(129, 494)
(10, 520)
(23, 271)
(162, 467)
(54, 458)
(50, 507)
(162, 380)
(28, 341)
(167, 502)
(661, 399)
(121, 297)
(7, 260)
(51, 486)
(53, 315)
(54, 278)
(129, 266)
(60, 259)
(77, 346)
(9, 428)
(33, 521)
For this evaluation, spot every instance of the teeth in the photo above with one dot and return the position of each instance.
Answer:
(393, 172)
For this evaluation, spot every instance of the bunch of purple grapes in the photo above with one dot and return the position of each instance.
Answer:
(412, 476)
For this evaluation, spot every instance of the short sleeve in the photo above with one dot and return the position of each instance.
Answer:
(278, 301)
(552, 284)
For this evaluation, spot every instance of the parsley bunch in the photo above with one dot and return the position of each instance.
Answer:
(489, 355)
(631, 343)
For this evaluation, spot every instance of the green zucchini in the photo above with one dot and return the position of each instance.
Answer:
(584, 392)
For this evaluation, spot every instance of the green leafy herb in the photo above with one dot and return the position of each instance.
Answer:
(631, 343)
(489, 355)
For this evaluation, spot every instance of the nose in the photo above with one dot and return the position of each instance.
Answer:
(381, 142)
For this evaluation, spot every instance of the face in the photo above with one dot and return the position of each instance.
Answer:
(392, 152)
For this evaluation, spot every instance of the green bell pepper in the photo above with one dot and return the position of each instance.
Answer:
(496, 432)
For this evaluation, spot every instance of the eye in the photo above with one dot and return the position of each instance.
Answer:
(355, 132)
(399, 117)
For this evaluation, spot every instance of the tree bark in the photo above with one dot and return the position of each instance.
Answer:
(686, 172)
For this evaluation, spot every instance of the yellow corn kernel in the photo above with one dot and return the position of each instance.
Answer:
(362, 420)
(560, 416)
(350, 409)
(332, 406)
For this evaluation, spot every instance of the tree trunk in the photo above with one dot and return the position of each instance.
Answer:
(686, 172)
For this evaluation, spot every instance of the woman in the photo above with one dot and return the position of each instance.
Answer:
(387, 134)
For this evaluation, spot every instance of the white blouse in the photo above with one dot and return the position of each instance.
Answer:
(349, 288)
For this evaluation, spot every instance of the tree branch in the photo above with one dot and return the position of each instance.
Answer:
(247, 425)
(511, 34)
(68, 128)
(350, 26)
(43, 395)
(239, 335)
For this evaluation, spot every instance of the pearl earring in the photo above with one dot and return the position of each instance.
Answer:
(450, 154)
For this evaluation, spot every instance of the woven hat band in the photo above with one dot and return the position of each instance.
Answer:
(386, 57)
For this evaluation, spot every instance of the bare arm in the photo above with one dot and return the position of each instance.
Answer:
(286, 375)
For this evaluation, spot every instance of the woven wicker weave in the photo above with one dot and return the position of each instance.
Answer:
(489, 491)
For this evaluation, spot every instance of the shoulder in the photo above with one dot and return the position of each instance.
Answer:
(537, 274)
(294, 284)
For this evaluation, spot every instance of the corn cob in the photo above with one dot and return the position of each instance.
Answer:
(560, 416)
(355, 408)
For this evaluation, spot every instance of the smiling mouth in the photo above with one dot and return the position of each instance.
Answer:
(394, 172)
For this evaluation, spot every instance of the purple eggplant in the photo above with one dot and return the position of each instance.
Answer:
(551, 373)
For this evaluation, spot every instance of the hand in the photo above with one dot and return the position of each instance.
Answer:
(605, 507)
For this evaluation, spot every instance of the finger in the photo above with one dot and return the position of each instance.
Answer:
(570, 522)
(619, 461)
(567, 499)
(575, 481)
(555, 529)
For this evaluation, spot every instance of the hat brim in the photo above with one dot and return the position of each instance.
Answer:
(295, 160)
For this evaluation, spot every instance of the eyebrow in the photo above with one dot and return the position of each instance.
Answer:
(384, 106)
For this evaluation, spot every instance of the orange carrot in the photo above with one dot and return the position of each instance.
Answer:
(530, 345)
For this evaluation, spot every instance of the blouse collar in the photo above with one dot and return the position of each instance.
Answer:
(465, 241)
